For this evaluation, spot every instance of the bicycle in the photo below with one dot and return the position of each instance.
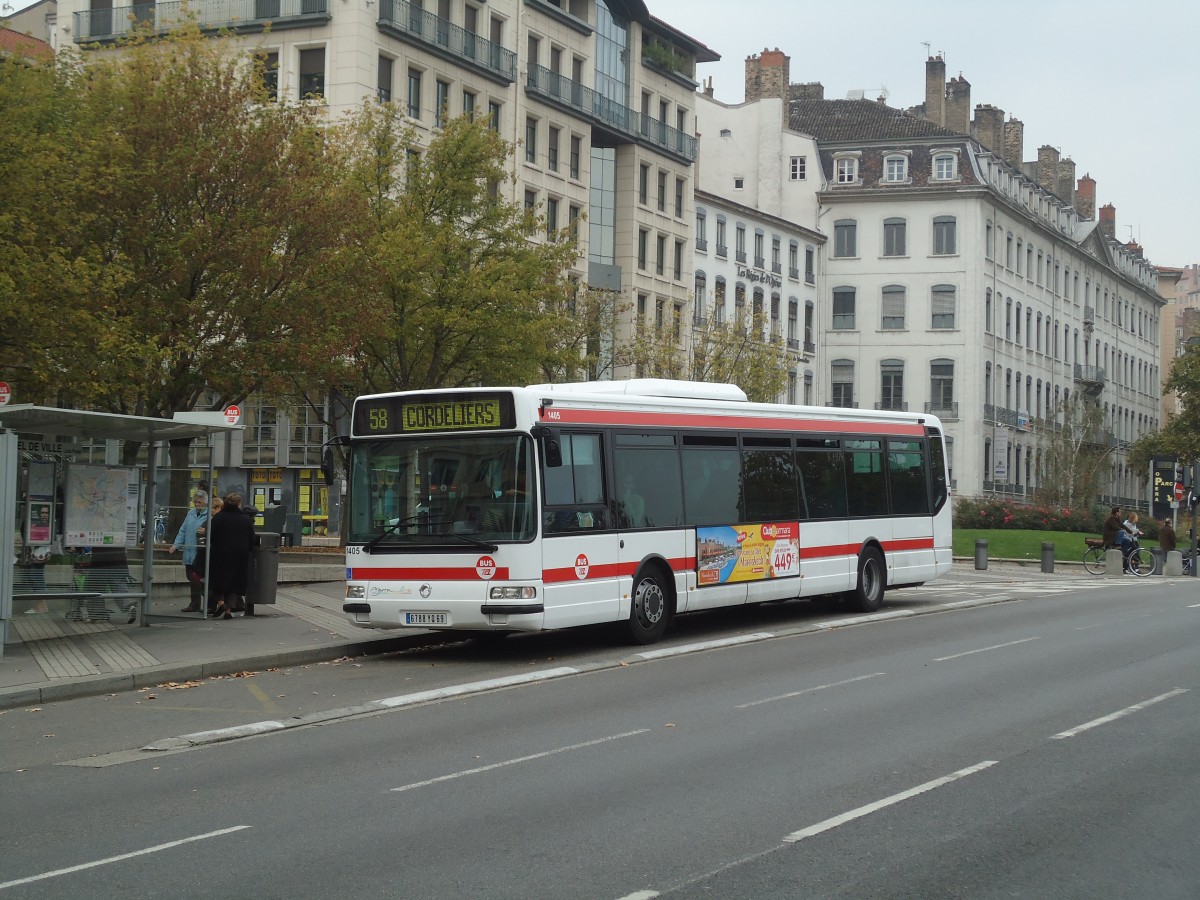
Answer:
(1138, 560)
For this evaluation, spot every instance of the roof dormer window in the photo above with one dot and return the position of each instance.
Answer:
(845, 167)
(895, 168)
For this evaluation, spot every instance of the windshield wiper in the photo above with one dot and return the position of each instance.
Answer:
(485, 545)
(417, 519)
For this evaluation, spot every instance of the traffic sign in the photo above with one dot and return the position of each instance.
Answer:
(5, 393)
(233, 415)
(1179, 492)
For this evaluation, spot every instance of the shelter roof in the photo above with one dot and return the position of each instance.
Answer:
(30, 419)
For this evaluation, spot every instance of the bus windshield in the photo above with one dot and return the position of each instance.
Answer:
(442, 491)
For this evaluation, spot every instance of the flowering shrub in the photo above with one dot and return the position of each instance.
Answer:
(1002, 514)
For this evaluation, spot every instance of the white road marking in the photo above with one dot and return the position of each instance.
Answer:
(112, 859)
(853, 814)
(810, 690)
(984, 649)
(1104, 720)
(639, 895)
(522, 759)
(1194, 606)
(706, 645)
(475, 686)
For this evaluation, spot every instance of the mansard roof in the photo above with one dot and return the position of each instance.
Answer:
(838, 121)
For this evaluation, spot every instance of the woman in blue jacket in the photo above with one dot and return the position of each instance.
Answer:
(188, 540)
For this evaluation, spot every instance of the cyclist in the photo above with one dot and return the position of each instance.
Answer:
(1117, 533)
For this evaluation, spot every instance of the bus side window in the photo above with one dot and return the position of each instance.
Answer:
(575, 490)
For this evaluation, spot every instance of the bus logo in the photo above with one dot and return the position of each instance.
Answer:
(581, 566)
(485, 568)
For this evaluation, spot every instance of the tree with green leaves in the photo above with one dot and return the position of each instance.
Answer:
(734, 353)
(462, 287)
(1180, 435)
(1075, 455)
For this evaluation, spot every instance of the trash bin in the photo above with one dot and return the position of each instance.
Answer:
(262, 579)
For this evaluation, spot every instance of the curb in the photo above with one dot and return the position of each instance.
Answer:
(113, 682)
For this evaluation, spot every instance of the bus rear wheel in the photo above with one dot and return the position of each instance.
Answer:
(867, 595)
(651, 608)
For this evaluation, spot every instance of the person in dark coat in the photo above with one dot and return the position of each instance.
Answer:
(230, 541)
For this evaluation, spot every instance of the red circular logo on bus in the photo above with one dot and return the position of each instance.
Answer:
(485, 567)
(581, 567)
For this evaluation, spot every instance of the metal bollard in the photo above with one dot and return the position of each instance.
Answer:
(981, 554)
(1047, 557)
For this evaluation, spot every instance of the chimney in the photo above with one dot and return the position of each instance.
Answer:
(767, 75)
(958, 105)
(812, 90)
(1047, 167)
(1085, 197)
(988, 127)
(1014, 142)
(1108, 220)
(935, 90)
(1066, 180)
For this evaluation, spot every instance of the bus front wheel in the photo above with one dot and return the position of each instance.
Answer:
(867, 595)
(651, 608)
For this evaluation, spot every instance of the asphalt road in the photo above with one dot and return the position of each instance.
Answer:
(1036, 748)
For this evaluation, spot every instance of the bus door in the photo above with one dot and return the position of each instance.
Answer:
(826, 554)
(580, 543)
(648, 507)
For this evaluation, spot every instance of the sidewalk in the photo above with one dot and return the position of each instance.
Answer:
(54, 659)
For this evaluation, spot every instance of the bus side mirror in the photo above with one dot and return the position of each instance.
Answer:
(551, 445)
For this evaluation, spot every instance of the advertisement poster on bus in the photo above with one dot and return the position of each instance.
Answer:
(728, 554)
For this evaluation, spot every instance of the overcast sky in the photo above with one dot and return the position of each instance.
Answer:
(1108, 83)
(1112, 85)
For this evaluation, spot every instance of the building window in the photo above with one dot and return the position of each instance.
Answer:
(797, 168)
(843, 309)
(809, 320)
(530, 201)
(643, 184)
(739, 183)
(893, 308)
(679, 183)
(719, 301)
(441, 112)
(945, 167)
(759, 261)
(576, 150)
(573, 221)
(845, 238)
(531, 136)
(678, 260)
(941, 385)
(468, 105)
(414, 94)
(494, 115)
(643, 241)
(552, 137)
(894, 234)
(662, 191)
(841, 380)
(551, 218)
(739, 249)
(312, 73)
(383, 79)
(944, 235)
(793, 338)
(944, 301)
(701, 230)
(891, 388)
(895, 169)
(810, 271)
(793, 259)
(722, 243)
(660, 263)
(846, 170)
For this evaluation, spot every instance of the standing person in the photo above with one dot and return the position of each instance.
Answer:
(231, 538)
(188, 540)
(1166, 536)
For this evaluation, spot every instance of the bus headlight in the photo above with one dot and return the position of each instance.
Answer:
(513, 592)
(356, 592)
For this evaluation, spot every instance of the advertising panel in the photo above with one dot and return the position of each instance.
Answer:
(726, 554)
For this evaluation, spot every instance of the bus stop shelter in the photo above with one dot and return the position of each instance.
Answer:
(29, 420)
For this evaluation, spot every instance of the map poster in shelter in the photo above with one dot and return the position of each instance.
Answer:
(733, 553)
(101, 506)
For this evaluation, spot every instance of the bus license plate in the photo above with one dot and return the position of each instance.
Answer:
(423, 618)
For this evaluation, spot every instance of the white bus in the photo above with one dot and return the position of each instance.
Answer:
(522, 509)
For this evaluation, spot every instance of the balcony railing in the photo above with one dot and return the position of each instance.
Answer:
(810, 347)
(701, 244)
(895, 405)
(793, 344)
(942, 410)
(622, 120)
(102, 25)
(1090, 375)
(448, 40)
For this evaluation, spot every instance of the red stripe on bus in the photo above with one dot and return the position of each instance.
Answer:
(559, 414)
(925, 543)
(921, 543)
(425, 573)
(595, 571)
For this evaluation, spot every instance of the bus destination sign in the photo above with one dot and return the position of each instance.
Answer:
(422, 413)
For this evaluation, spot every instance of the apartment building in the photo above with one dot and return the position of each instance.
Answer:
(959, 278)
(598, 97)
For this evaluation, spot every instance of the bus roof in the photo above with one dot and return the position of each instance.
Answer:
(650, 387)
